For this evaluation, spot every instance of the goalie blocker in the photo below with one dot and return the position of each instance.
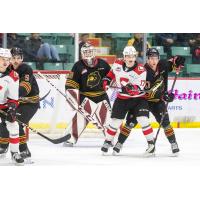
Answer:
(99, 109)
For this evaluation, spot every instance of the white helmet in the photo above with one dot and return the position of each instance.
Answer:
(5, 53)
(129, 50)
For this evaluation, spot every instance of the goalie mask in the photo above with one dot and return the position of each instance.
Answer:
(88, 54)
(130, 55)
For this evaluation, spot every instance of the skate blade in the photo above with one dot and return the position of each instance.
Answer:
(175, 154)
(148, 155)
(65, 144)
(104, 153)
(114, 153)
(2, 156)
(28, 161)
(18, 164)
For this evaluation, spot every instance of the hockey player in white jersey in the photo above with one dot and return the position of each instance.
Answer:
(130, 77)
(9, 92)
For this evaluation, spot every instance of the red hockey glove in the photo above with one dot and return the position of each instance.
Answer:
(106, 83)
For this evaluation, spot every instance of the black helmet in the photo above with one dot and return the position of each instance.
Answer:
(152, 52)
(15, 51)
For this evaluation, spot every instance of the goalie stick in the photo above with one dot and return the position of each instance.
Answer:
(165, 110)
(54, 141)
(71, 103)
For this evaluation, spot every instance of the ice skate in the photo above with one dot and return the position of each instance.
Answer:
(106, 145)
(3, 152)
(175, 149)
(26, 155)
(117, 148)
(150, 151)
(17, 159)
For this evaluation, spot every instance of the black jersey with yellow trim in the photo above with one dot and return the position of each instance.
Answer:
(28, 86)
(88, 79)
(155, 77)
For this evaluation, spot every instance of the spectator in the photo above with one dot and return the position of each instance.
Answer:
(83, 40)
(184, 39)
(137, 42)
(195, 48)
(167, 40)
(14, 41)
(36, 50)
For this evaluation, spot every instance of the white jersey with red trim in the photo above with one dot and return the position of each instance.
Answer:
(9, 88)
(123, 75)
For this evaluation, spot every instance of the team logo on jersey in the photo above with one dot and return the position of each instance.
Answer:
(93, 79)
(140, 68)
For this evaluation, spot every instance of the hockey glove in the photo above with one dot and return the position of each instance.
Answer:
(11, 117)
(106, 83)
(178, 62)
(131, 89)
(168, 97)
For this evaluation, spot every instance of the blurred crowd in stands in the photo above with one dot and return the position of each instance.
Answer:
(37, 50)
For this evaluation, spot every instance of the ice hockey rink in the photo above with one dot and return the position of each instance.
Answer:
(82, 172)
(87, 151)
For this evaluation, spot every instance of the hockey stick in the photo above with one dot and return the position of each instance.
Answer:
(71, 103)
(54, 141)
(165, 110)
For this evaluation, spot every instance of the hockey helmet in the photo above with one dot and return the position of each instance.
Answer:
(5, 53)
(152, 52)
(15, 51)
(129, 50)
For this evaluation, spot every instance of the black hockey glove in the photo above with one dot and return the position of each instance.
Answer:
(168, 97)
(11, 117)
(179, 61)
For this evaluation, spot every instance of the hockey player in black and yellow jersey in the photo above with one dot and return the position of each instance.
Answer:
(28, 99)
(157, 85)
(86, 77)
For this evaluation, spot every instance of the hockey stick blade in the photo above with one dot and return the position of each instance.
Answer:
(56, 141)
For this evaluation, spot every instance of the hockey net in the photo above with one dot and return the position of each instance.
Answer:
(55, 114)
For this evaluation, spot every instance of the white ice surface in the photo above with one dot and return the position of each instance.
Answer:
(82, 173)
(87, 151)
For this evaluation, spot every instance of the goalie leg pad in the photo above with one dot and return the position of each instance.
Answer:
(79, 123)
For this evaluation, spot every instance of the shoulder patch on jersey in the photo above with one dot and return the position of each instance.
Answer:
(119, 61)
(14, 75)
(139, 69)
